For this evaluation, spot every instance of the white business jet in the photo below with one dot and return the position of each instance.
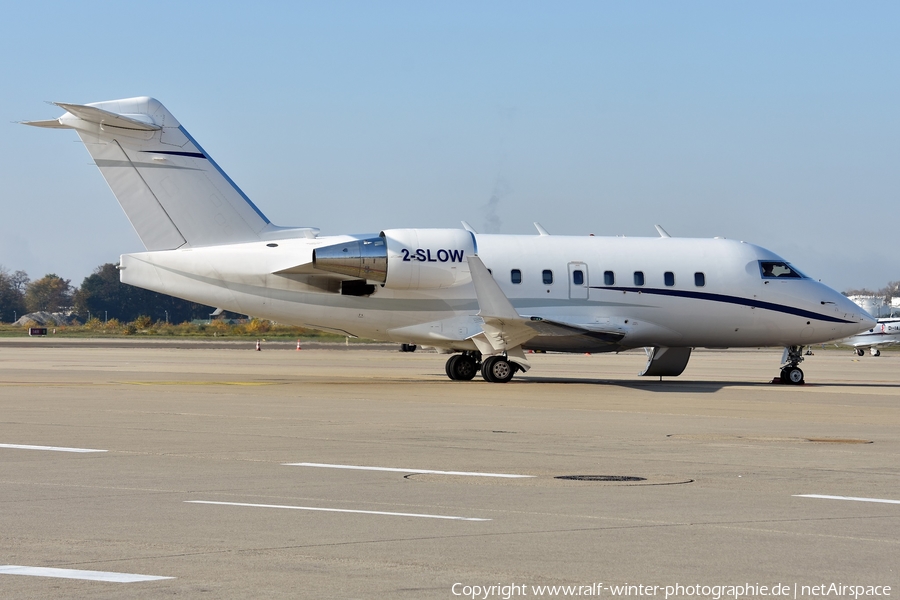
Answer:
(487, 298)
(886, 332)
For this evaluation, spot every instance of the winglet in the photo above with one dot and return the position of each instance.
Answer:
(491, 299)
(468, 227)
(503, 330)
(541, 230)
(662, 232)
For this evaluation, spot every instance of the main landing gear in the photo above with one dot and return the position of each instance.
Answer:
(872, 350)
(463, 367)
(790, 372)
(495, 369)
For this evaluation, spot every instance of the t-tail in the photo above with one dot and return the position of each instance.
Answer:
(172, 191)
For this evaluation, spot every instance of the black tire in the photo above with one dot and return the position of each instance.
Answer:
(875, 352)
(450, 367)
(486, 368)
(859, 351)
(497, 369)
(464, 369)
(793, 376)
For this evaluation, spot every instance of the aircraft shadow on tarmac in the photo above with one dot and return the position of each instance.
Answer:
(682, 386)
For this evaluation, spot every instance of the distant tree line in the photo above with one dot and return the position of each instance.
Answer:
(101, 296)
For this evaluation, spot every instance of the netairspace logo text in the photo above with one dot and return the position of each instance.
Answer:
(711, 592)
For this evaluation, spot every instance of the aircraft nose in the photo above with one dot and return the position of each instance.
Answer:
(861, 319)
(867, 320)
(853, 318)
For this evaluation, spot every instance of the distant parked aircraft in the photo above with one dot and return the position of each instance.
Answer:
(886, 332)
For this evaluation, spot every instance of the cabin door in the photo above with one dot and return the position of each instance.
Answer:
(578, 281)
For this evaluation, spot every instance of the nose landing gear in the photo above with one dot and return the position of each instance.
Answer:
(791, 373)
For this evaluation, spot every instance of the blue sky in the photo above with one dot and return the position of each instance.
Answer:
(771, 122)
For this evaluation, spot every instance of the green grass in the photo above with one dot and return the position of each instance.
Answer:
(255, 328)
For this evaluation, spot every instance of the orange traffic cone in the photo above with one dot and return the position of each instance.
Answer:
(257, 346)
(298, 344)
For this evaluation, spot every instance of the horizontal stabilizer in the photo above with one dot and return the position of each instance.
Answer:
(51, 124)
(92, 114)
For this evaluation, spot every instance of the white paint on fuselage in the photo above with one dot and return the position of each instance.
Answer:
(239, 278)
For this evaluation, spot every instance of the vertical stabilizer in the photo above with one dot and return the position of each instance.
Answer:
(173, 193)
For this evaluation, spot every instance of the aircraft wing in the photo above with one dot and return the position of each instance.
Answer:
(554, 327)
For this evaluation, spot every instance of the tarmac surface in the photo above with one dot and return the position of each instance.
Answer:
(228, 471)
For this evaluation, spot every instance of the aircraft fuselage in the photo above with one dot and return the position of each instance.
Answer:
(734, 307)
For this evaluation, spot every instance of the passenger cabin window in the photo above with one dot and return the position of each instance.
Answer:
(772, 269)
(609, 278)
(548, 276)
(638, 278)
(669, 278)
(699, 279)
(578, 277)
(515, 276)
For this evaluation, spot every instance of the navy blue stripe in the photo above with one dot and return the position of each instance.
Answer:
(173, 153)
(225, 175)
(729, 300)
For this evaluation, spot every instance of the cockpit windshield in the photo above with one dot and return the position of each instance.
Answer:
(774, 269)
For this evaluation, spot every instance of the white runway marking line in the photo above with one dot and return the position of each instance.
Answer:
(339, 510)
(416, 471)
(51, 448)
(109, 576)
(877, 500)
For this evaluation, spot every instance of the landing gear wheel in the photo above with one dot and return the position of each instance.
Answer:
(450, 366)
(461, 367)
(859, 351)
(792, 375)
(497, 369)
(875, 351)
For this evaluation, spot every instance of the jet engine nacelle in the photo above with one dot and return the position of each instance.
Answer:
(403, 259)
